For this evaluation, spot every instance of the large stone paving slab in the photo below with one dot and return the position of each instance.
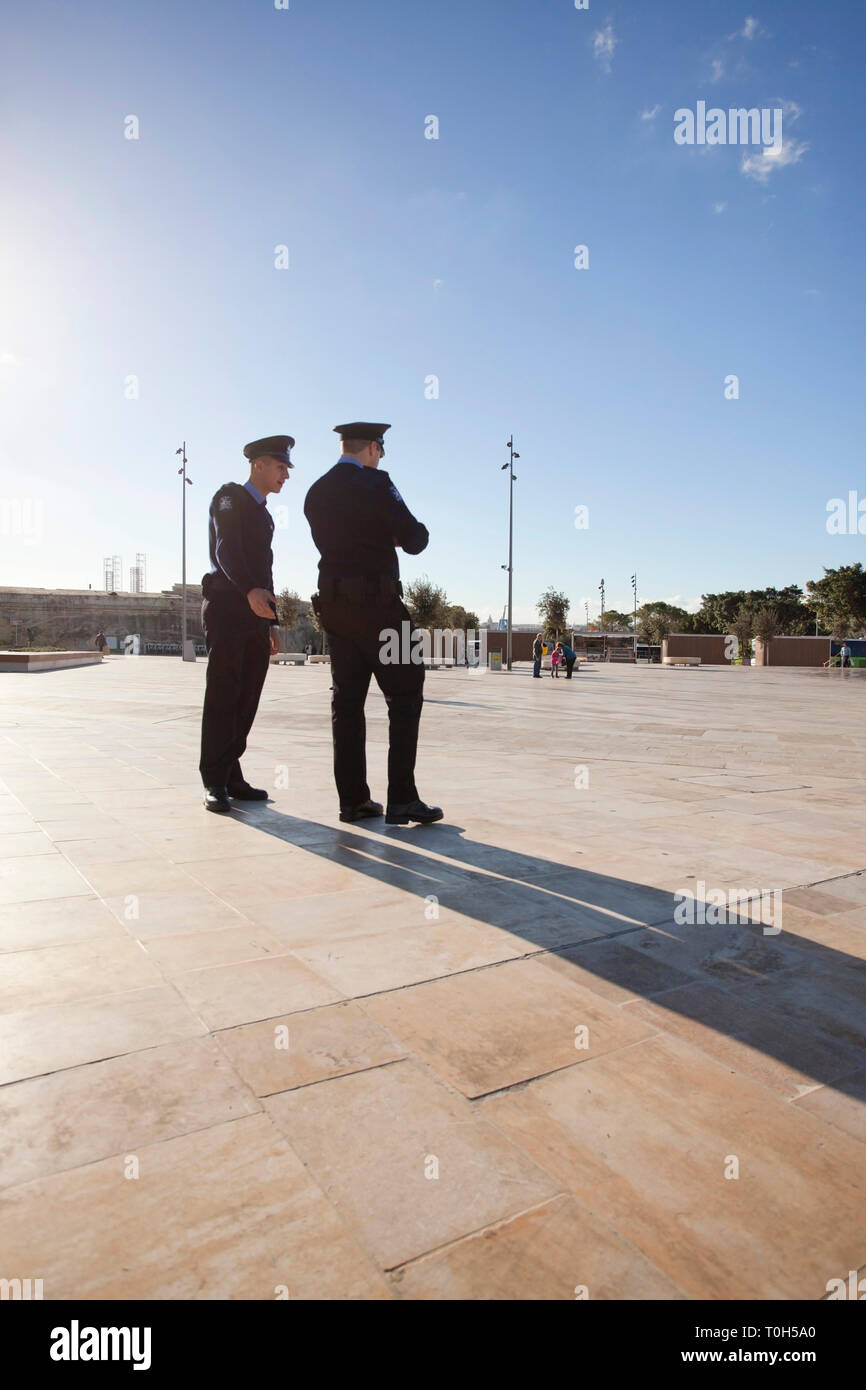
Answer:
(843, 1105)
(556, 1251)
(299, 1049)
(226, 995)
(646, 1136)
(54, 922)
(79, 1116)
(406, 1160)
(392, 960)
(36, 1041)
(754, 1042)
(228, 1212)
(344, 1056)
(80, 970)
(474, 1029)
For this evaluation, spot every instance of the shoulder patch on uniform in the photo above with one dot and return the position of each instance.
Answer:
(394, 493)
(225, 503)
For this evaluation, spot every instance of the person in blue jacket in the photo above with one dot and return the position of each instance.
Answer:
(570, 657)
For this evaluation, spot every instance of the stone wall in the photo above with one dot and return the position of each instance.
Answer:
(72, 617)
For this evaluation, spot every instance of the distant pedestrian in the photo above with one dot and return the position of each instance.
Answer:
(99, 641)
(555, 661)
(569, 656)
(537, 653)
(308, 650)
(845, 655)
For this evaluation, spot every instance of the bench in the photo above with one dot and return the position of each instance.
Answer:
(320, 658)
(21, 659)
(288, 659)
(681, 661)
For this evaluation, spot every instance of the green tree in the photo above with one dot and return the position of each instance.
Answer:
(717, 612)
(612, 621)
(656, 621)
(766, 622)
(840, 600)
(288, 608)
(552, 609)
(461, 619)
(743, 628)
(306, 629)
(427, 603)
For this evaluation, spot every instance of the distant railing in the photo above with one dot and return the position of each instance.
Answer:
(170, 649)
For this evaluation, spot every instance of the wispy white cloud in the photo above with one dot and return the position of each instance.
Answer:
(720, 207)
(650, 113)
(752, 29)
(761, 165)
(718, 70)
(691, 605)
(603, 44)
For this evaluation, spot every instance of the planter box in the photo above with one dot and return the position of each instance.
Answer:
(47, 661)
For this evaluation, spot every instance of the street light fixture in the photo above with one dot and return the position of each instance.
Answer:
(512, 479)
(187, 482)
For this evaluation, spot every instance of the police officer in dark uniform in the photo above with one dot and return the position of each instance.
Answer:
(358, 518)
(239, 618)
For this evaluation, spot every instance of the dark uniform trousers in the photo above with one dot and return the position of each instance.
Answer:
(353, 628)
(238, 648)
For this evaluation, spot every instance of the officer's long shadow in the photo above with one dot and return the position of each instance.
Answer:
(782, 995)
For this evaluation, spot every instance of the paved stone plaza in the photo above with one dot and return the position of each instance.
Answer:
(480, 1059)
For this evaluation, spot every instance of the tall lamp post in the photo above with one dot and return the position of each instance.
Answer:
(187, 482)
(601, 615)
(512, 479)
(634, 591)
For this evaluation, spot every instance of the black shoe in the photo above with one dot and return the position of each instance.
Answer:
(413, 810)
(242, 791)
(366, 811)
(217, 799)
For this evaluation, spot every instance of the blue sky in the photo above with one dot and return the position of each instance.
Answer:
(410, 258)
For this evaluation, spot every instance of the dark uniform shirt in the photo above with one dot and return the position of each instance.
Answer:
(240, 533)
(355, 513)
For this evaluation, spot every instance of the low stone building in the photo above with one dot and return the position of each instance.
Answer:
(71, 618)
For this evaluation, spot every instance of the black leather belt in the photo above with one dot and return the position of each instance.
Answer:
(362, 588)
